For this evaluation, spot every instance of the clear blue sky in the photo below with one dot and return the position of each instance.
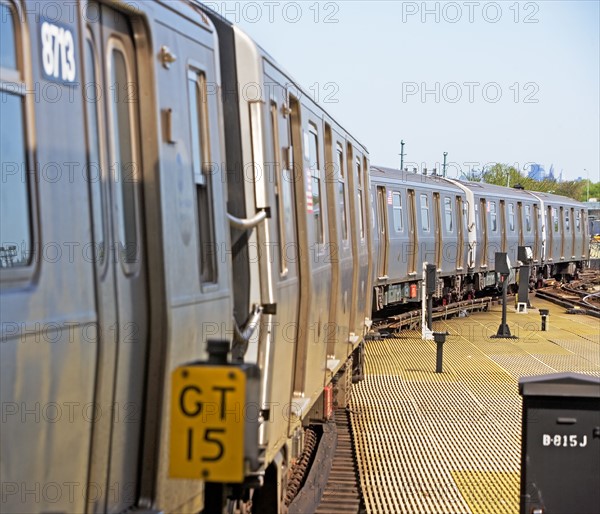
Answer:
(511, 82)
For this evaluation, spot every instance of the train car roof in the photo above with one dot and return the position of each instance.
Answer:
(493, 189)
(407, 177)
(508, 192)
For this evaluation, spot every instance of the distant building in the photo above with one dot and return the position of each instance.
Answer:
(536, 172)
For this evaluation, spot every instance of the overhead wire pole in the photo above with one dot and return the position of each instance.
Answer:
(402, 155)
(444, 166)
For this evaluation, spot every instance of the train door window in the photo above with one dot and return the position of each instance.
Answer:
(448, 214)
(342, 192)
(200, 142)
(528, 218)
(94, 173)
(8, 42)
(511, 217)
(361, 209)
(315, 167)
(555, 218)
(578, 221)
(280, 189)
(397, 212)
(424, 213)
(15, 207)
(493, 216)
(567, 221)
(125, 156)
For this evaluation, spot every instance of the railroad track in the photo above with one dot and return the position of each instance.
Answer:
(342, 492)
(582, 295)
(411, 320)
(332, 484)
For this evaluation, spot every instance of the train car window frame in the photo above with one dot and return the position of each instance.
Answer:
(14, 83)
(342, 190)
(567, 220)
(448, 215)
(493, 216)
(397, 211)
(315, 171)
(94, 116)
(424, 208)
(200, 134)
(578, 221)
(555, 220)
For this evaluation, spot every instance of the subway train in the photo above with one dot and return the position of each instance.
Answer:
(166, 183)
(460, 226)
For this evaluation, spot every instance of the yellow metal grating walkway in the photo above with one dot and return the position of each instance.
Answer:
(451, 442)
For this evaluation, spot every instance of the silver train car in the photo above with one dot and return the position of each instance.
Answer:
(459, 226)
(151, 202)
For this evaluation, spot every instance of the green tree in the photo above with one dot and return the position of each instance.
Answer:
(505, 175)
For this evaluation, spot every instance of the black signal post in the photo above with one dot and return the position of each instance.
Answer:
(503, 269)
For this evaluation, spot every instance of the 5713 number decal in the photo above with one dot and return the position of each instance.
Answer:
(58, 52)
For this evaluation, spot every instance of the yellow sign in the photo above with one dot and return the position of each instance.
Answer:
(207, 423)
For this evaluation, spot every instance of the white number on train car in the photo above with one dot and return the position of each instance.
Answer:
(58, 52)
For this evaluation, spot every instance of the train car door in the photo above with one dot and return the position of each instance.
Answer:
(117, 70)
(537, 235)
(437, 219)
(502, 226)
(520, 223)
(382, 220)
(412, 232)
(572, 225)
(460, 236)
(585, 247)
(549, 235)
(483, 232)
(561, 228)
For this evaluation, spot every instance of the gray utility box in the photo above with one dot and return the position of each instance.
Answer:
(560, 453)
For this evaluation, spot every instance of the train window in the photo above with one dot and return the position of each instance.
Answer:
(511, 217)
(94, 165)
(15, 216)
(567, 221)
(200, 158)
(360, 199)
(493, 217)
(528, 218)
(125, 161)
(397, 211)
(448, 214)
(555, 218)
(425, 213)
(313, 149)
(8, 47)
(342, 192)
(578, 221)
